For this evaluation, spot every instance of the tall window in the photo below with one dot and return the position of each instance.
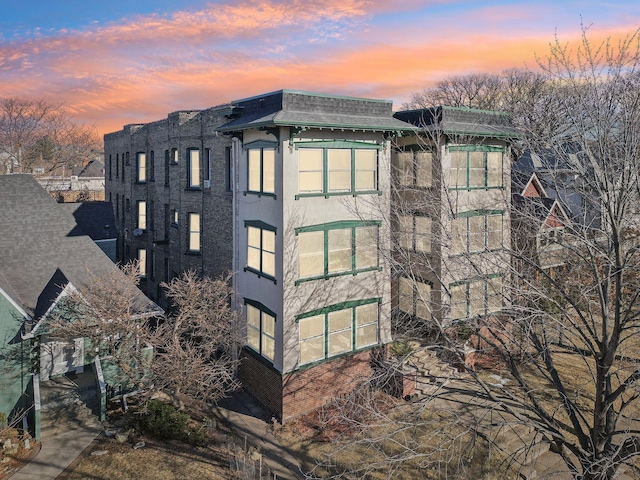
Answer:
(476, 297)
(261, 248)
(110, 177)
(337, 248)
(476, 231)
(174, 156)
(206, 168)
(413, 168)
(117, 165)
(330, 171)
(228, 169)
(414, 233)
(261, 177)
(142, 262)
(167, 162)
(337, 329)
(414, 298)
(194, 232)
(142, 215)
(261, 329)
(193, 161)
(475, 167)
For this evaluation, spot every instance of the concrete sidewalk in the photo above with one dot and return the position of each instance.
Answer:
(57, 453)
(240, 412)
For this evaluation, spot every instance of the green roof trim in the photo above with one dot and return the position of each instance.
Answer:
(337, 144)
(337, 225)
(338, 306)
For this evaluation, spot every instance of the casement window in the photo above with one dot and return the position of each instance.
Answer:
(337, 329)
(325, 169)
(261, 329)
(261, 170)
(414, 298)
(142, 262)
(337, 248)
(476, 231)
(193, 243)
(193, 168)
(414, 233)
(142, 215)
(413, 168)
(261, 248)
(475, 166)
(476, 297)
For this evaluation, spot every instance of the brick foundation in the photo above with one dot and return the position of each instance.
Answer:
(296, 393)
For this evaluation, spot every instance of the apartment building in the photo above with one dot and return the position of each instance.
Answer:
(293, 192)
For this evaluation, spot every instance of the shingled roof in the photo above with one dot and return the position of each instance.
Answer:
(39, 251)
(95, 219)
(296, 108)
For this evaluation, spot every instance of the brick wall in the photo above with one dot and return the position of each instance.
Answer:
(261, 381)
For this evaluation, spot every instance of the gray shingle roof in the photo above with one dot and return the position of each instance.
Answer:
(306, 109)
(95, 219)
(38, 249)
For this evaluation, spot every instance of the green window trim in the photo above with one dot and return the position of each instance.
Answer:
(338, 306)
(353, 226)
(469, 180)
(264, 344)
(478, 213)
(338, 225)
(326, 146)
(327, 333)
(261, 225)
(484, 280)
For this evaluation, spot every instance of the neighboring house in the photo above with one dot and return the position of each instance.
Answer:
(81, 183)
(539, 225)
(452, 204)
(89, 176)
(96, 220)
(43, 256)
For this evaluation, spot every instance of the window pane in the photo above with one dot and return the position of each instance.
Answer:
(340, 342)
(268, 347)
(339, 320)
(476, 169)
(311, 327)
(476, 233)
(494, 231)
(269, 263)
(366, 247)
(194, 168)
(253, 316)
(459, 301)
(142, 167)
(310, 171)
(423, 169)
(142, 215)
(340, 250)
(268, 170)
(367, 335)
(405, 300)
(366, 314)
(254, 170)
(253, 250)
(423, 234)
(253, 237)
(311, 253)
(142, 262)
(405, 232)
(476, 298)
(312, 350)
(494, 169)
(253, 338)
(458, 235)
(404, 164)
(194, 232)
(339, 166)
(494, 294)
(366, 170)
(458, 169)
(268, 324)
(423, 300)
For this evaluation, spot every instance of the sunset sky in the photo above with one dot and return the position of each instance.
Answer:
(118, 62)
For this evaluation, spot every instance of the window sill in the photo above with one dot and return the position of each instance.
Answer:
(260, 194)
(140, 182)
(337, 194)
(261, 358)
(193, 189)
(501, 187)
(337, 274)
(260, 274)
(193, 253)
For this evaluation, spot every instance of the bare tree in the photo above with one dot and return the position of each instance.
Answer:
(188, 352)
(34, 132)
(564, 343)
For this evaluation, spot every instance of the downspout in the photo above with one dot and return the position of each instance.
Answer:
(236, 149)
